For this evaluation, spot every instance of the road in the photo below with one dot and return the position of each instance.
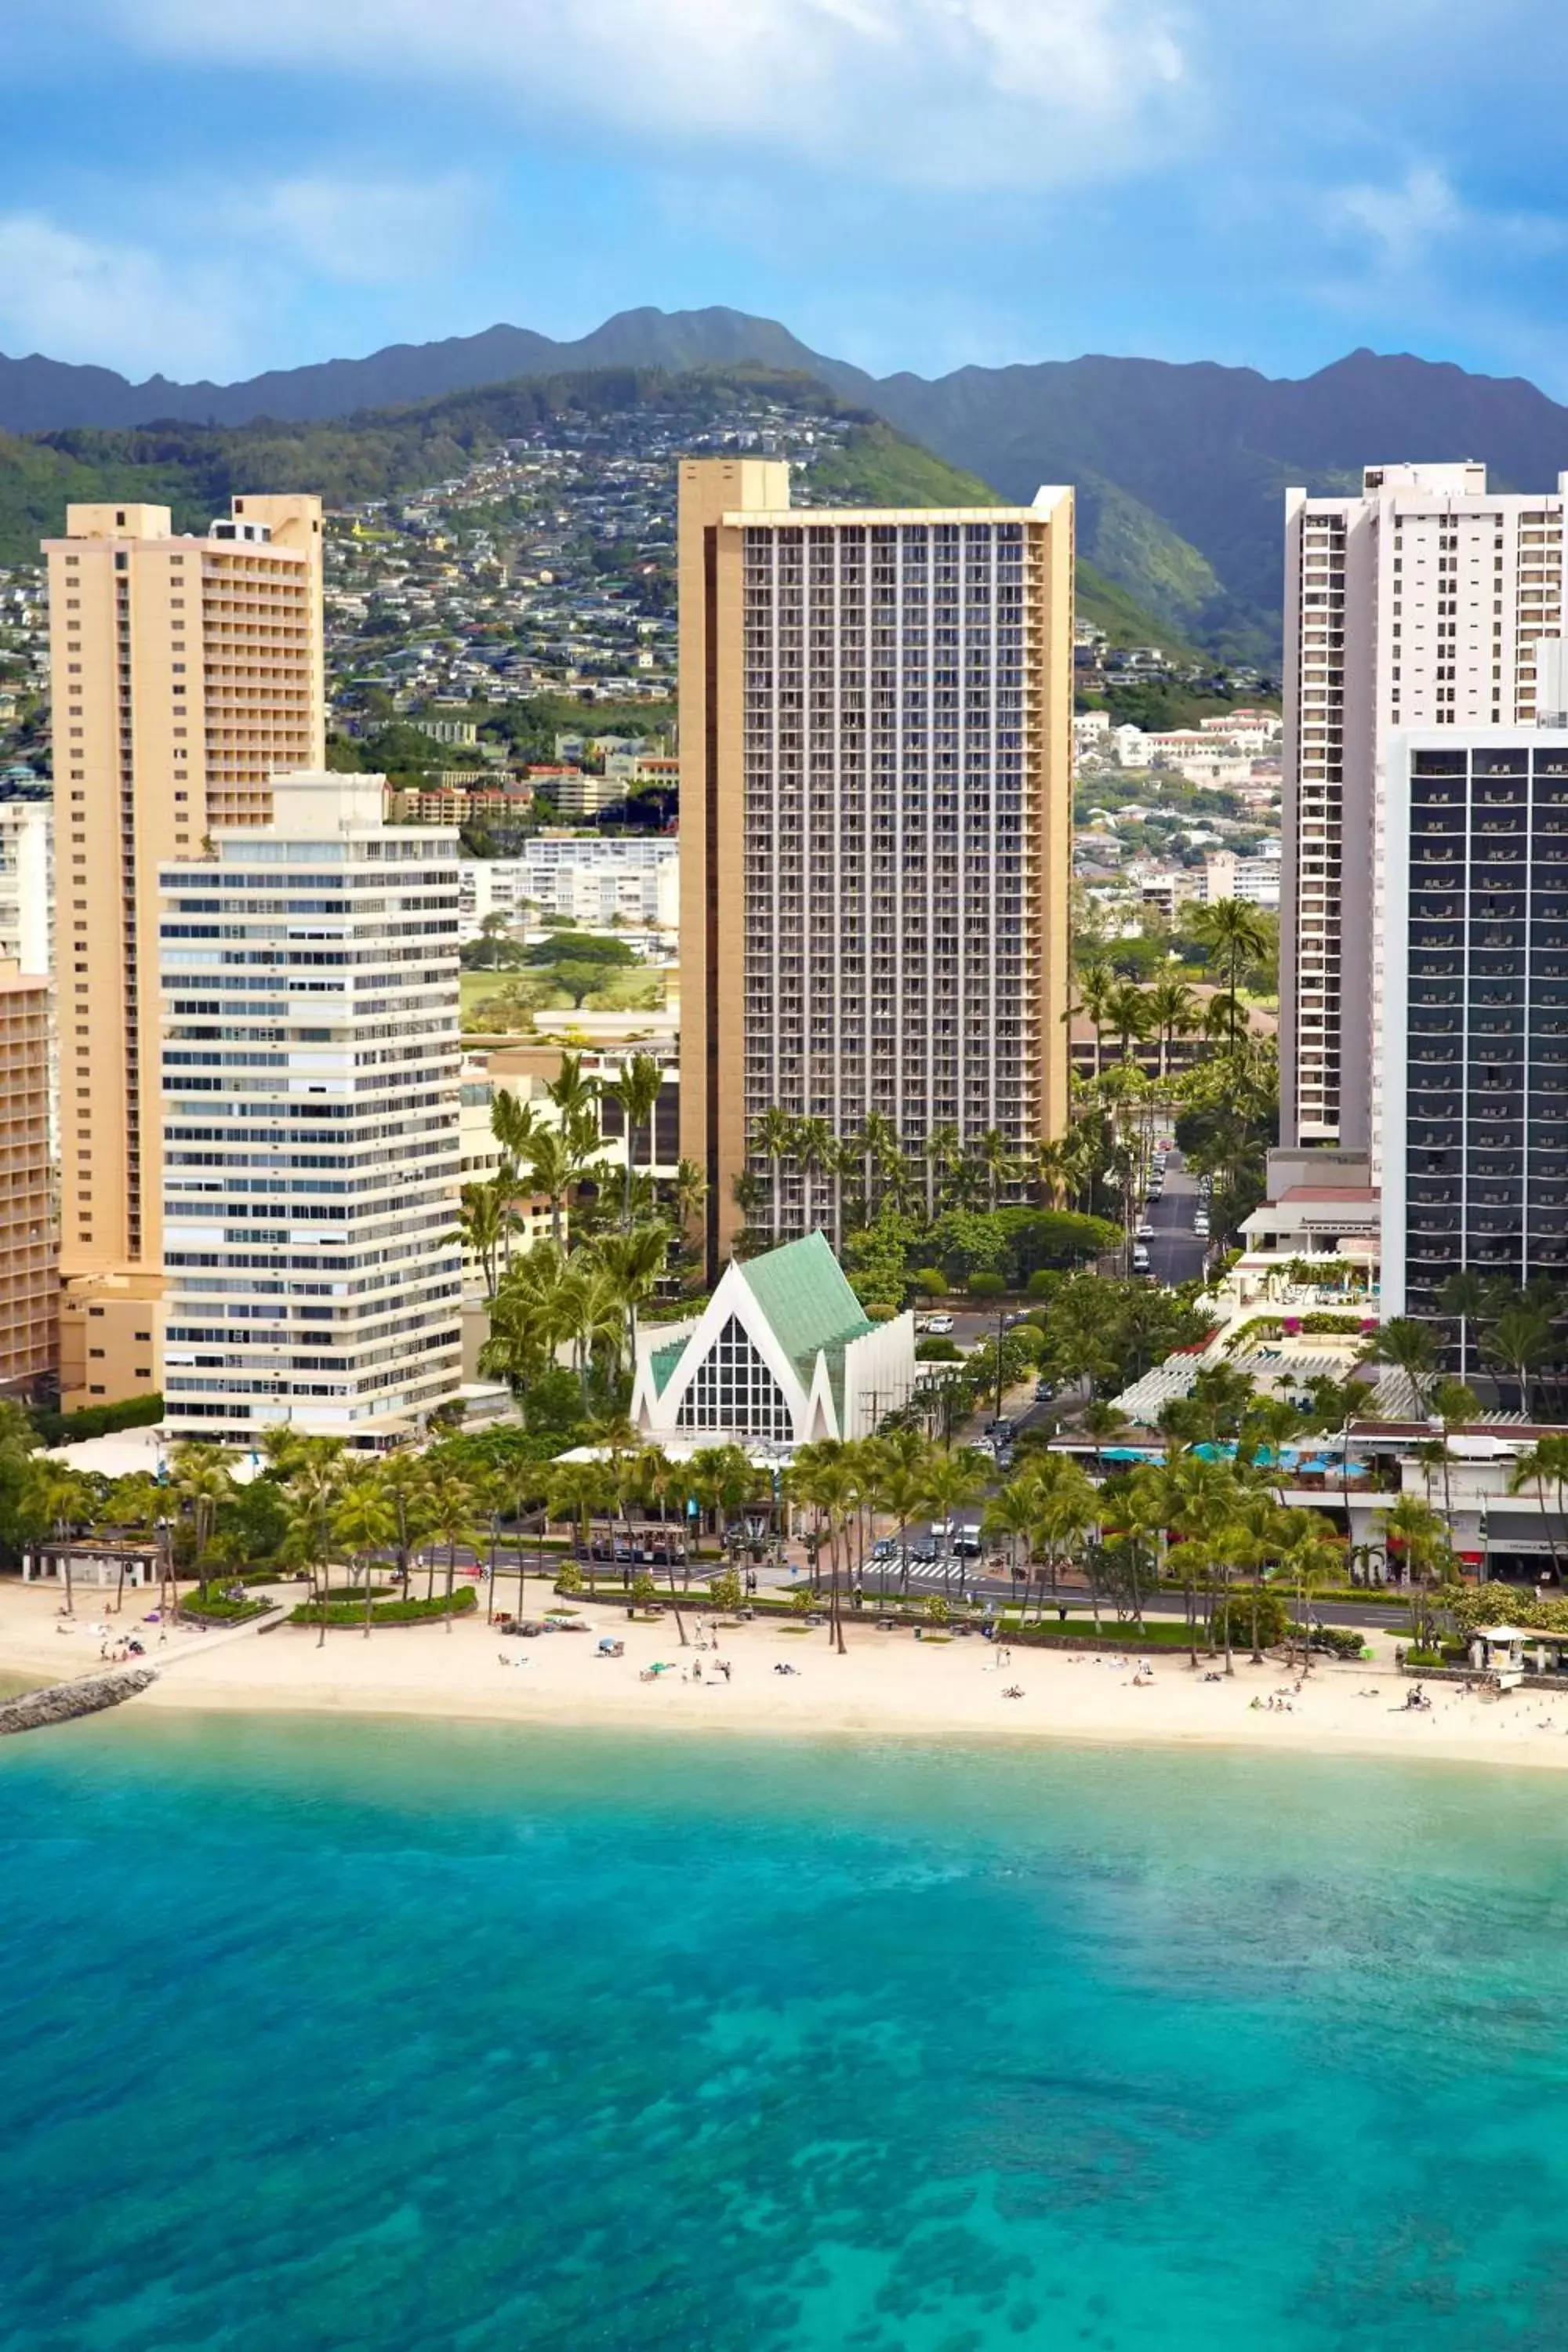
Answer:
(1176, 1254)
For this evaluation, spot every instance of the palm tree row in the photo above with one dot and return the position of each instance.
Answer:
(559, 1161)
(1235, 936)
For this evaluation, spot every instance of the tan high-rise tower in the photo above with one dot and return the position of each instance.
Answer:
(185, 671)
(875, 826)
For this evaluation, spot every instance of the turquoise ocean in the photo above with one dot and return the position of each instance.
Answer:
(390, 2034)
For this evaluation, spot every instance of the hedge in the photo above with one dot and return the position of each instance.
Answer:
(217, 1612)
(96, 1420)
(390, 1613)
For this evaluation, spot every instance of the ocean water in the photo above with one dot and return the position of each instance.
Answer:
(393, 2035)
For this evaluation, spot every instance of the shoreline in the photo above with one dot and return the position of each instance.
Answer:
(887, 1686)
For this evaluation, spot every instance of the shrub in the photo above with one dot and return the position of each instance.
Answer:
(937, 1609)
(803, 1600)
(1273, 1618)
(390, 1613)
(938, 1351)
(570, 1579)
(987, 1286)
(929, 1281)
(216, 1611)
(1340, 1641)
(724, 1591)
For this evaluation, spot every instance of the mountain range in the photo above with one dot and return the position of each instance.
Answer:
(1180, 469)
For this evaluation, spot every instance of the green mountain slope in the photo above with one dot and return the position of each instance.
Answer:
(195, 468)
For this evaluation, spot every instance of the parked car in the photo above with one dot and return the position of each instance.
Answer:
(1139, 1258)
(1044, 1392)
(1145, 1230)
(939, 1326)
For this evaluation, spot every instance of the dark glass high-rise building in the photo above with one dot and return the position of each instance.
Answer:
(1474, 1062)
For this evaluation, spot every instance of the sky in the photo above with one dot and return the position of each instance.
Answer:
(212, 187)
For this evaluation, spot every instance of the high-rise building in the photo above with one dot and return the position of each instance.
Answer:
(28, 1281)
(183, 671)
(1475, 1036)
(310, 1147)
(1419, 603)
(875, 815)
(26, 884)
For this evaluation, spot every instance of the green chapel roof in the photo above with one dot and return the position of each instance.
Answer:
(801, 1289)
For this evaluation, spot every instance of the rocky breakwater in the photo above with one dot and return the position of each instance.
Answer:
(63, 1702)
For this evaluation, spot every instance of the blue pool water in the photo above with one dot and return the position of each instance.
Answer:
(394, 2035)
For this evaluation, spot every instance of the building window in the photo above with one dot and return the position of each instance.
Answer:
(734, 1390)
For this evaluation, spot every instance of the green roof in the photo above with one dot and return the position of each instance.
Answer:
(801, 1291)
(663, 1361)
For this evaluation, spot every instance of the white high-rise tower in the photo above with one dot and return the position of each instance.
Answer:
(1419, 604)
(311, 1110)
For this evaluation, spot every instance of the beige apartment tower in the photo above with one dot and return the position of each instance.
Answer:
(876, 792)
(185, 671)
(28, 1286)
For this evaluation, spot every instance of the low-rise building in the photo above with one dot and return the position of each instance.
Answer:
(783, 1354)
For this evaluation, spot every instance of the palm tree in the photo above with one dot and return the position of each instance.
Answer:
(876, 1146)
(406, 1485)
(632, 1262)
(1521, 1340)
(556, 1166)
(825, 1475)
(944, 1157)
(1013, 1514)
(481, 1224)
(1310, 1558)
(451, 1513)
(690, 1191)
(1237, 935)
(1127, 1014)
(365, 1519)
(200, 1483)
(817, 1153)
(1172, 1012)
(1465, 1297)
(638, 1087)
(1454, 1406)
(1547, 1459)
(1069, 1506)
(1101, 1421)
(1408, 1347)
(993, 1153)
(1097, 985)
(1423, 1544)
(312, 1493)
(1051, 1166)
(577, 1490)
(574, 1095)
(59, 1499)
(952, 1480)
(514, 1125)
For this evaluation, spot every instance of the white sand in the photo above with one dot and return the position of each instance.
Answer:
(888, 1685)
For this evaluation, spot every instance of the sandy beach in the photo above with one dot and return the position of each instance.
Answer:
(888, 1685)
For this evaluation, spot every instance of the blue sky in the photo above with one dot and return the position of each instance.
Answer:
(215, 186)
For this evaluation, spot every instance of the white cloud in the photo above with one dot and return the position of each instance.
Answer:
(961, 93)
(361, 231)
(205, 272)
(78, 297)
(1399, 226)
